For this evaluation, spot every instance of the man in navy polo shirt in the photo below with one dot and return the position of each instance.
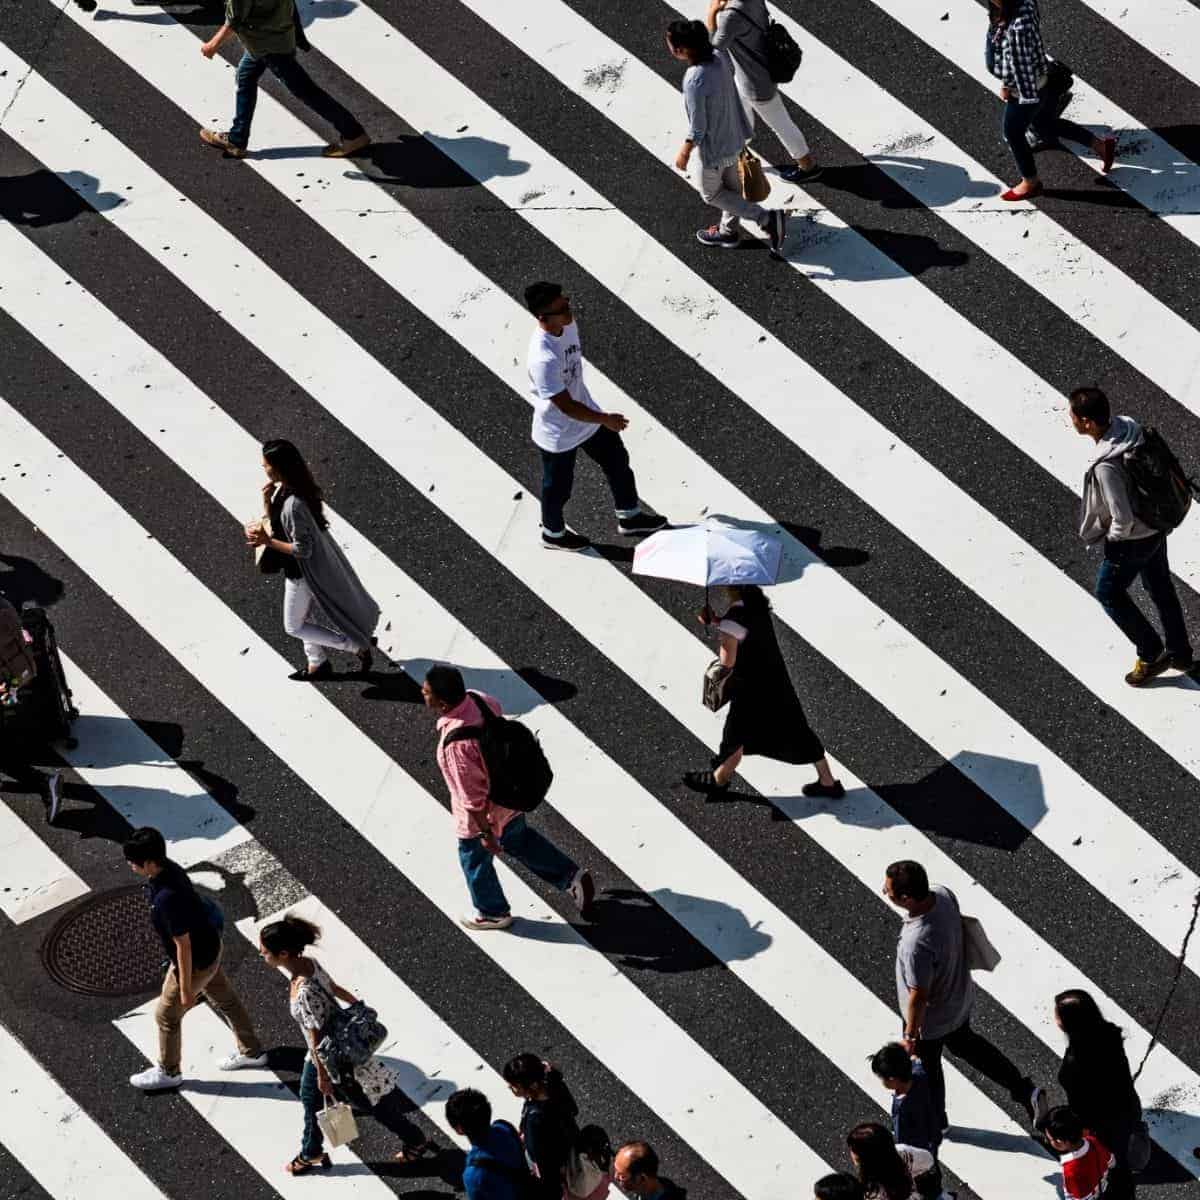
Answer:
(192, 940)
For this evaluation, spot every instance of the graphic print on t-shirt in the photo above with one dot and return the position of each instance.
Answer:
(555, 365)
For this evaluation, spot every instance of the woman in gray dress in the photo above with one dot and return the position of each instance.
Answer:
(324, 604)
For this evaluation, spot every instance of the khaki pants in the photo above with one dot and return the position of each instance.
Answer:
(212, 983)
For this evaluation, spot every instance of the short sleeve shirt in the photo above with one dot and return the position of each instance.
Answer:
(930, 955)
(556, 365)
(176, 909)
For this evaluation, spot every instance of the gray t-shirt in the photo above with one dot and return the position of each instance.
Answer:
(930, 955)
(742, 31)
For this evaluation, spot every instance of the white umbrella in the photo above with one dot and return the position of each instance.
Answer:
(709, 555)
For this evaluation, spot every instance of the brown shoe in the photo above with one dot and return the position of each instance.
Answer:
(346, 149)
(1144, 671)
(220, 141)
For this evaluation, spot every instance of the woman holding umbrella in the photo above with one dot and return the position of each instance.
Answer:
(765, 715)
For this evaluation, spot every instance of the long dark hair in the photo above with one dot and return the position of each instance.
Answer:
(1081, 1017)
(691, 36)
(288, 463)
(879, 1165)
(530, 1070)
(1001, 12)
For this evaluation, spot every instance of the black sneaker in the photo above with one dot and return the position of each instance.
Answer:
(826, 791)
(794, 173)
(640, 525)
(567, 540)
(776, 227)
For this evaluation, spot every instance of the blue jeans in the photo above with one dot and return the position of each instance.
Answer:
(608, 452)
(389, 1112)
(297, 80)
(1019, 117)
(527, 846)
(1123, 563)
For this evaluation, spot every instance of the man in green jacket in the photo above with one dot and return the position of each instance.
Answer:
(267, 31)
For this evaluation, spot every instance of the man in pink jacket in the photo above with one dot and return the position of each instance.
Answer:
(485, 829)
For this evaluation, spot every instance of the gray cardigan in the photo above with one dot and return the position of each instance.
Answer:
(1106, 510)
(742, 32)
(344, 602)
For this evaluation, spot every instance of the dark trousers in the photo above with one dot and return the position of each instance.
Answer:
(1019, 117)
(975, 1050)
(297, 80)
(389, 1112)
(608, 452)
(1123, 563)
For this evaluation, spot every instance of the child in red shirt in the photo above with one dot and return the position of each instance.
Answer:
(1089, 1169)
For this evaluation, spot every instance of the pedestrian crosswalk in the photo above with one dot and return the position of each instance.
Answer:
(902, 433)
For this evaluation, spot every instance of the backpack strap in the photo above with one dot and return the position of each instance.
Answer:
(466, 733)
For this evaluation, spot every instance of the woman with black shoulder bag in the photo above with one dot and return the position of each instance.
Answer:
(1014, 53)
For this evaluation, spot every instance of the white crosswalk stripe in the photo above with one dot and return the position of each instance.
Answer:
(1128, 878)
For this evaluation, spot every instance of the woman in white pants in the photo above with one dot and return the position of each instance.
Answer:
(324, 604)
(718, 128)
(739, 27)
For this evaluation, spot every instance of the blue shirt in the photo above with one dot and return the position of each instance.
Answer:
(488, 1182)
(914, 1123)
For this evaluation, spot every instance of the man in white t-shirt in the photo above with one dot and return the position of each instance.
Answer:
(567, 419)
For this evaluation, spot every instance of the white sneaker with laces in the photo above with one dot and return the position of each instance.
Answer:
(155, 1079)
(238, 1060)
(478, 921)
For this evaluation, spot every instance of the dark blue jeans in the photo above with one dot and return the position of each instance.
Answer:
(1123, 563)
(390, 1112)
(608, 452)
(527, 846)
(1019, 117)
(297, 80)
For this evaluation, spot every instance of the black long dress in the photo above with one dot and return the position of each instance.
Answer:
(765, 716)
(1096, 1078)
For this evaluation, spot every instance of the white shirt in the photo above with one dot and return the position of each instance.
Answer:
(556, 364)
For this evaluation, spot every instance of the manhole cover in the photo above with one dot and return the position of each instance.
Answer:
(106, 946)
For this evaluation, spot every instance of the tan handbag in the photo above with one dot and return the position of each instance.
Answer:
(337, 1123)
(978, 950)
(755, 185)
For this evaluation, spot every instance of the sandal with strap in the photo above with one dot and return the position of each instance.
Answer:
(706, 782)
(412, 1154)
(301, 1165)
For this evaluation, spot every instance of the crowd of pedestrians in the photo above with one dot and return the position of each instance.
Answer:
(1098, 1132)
(491, 768)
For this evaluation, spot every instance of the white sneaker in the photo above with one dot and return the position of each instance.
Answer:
(238, 1060)
(478, 921)
(582, 890)
(155, 1079)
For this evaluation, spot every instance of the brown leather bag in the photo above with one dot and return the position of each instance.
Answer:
(755, 185)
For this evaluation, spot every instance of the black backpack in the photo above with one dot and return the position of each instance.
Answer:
(1159, 491)
(783, 54)
(518, 774)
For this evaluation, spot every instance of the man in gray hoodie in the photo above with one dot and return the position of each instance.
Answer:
(1131, 547)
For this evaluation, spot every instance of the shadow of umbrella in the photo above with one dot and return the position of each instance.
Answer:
(947, 801)
(39, 198)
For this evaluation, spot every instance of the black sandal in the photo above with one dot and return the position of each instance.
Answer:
(304, 675)
(301, 1165)
(412, 1154)
(704, 781)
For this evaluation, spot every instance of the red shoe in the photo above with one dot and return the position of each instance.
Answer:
(1108, 151)
(1013, 194)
